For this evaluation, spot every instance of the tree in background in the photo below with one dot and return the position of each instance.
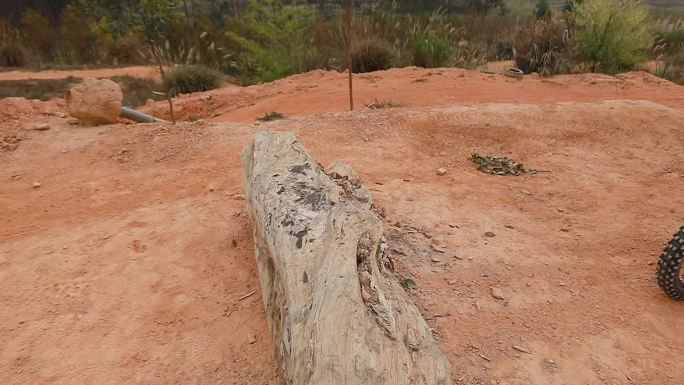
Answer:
(75, 29)
(151, 19)
(612, 35)
(36, 30)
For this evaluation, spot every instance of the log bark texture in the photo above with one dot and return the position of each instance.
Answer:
(337, 312)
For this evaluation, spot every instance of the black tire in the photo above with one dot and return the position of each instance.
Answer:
(669, 270)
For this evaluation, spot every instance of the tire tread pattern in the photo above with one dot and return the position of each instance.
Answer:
(670, 266)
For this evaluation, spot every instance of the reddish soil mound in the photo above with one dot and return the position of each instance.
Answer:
(320, 91)
(128, 262)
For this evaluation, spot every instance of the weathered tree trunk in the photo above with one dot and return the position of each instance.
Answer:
(336, 311)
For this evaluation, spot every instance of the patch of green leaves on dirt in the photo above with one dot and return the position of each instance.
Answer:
(271, 116)
(409, 283)
(501, 165)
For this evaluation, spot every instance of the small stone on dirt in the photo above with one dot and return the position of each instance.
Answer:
(497, 293)
(522, 349)
(489, 234)
(41, 127)
(36, 185)
(252, 339)
(434, 259)
(441, 171)
(437, 247)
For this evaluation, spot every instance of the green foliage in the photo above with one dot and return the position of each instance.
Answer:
(408, 283)
(669, 50)
(669, 35)
(371, 55)
(271, 116)
(79, 41)
(542, 10)
(192, 78)
(543, 47)
(152, 18)
(431, 50)
(274, 39)
(612, 35)
(504, 50)
(432, 41)
(672, 68)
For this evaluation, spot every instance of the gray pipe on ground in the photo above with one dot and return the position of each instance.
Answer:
(139, 117)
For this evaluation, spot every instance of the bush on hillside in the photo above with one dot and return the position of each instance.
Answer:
(612, 35)
(192, 78)
(543, 47)
(371, 55)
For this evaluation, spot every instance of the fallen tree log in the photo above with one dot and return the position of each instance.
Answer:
(337, 313)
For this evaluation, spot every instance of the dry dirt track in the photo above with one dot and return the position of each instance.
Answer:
(127, 264)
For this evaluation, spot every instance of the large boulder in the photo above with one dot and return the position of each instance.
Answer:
(95, 101)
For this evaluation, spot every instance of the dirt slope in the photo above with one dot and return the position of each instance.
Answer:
(128, 263)
(321, 91)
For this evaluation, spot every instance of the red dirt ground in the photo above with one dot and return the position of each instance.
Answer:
(127, 264)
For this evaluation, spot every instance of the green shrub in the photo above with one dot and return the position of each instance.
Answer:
(431, 50)
(371, 55)
(543, 47)
(273, 39)
(193, 78)
(542, 10)
(672, 68)
(612, 35)
(504, 50)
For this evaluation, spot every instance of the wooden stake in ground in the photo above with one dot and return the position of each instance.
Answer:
(167, 92)
(349, 17)
(337, 313)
